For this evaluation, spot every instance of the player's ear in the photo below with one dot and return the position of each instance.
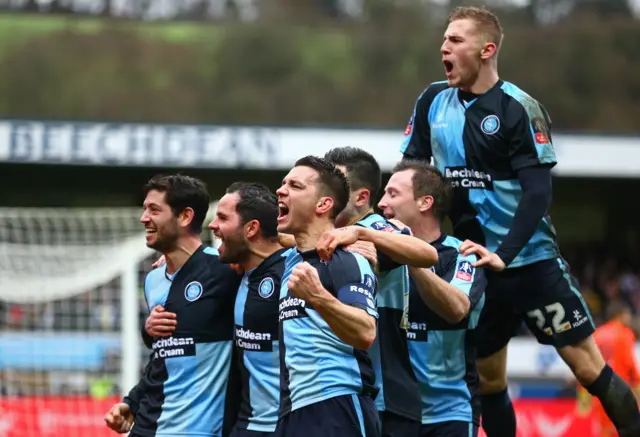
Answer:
(251, 228)
(324, 205)
(362, 197)
(425, 203)
(185, 217)
(488, 50)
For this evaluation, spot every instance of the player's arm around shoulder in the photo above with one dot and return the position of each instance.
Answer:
(402, 248)
(349, 308)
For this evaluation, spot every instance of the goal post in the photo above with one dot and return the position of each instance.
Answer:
(71, 307)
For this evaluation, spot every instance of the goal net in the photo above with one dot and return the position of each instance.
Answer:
(71, 307)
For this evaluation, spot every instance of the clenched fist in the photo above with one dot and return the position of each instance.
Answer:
(304, 282)
(119, 418)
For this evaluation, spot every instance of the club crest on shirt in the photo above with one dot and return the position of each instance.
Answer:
(465, 271)
(266, 288)
(490, 124)
(193, 291)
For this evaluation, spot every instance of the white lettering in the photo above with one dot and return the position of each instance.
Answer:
(288, 315)
(461, 177)
(250, 346)
(249, 335)
(291, 302)
(171, 342)
(164, 353)
(360, 290)
(414, 326)
(141, 144)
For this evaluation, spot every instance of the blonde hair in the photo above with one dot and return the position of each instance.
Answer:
(488, 23)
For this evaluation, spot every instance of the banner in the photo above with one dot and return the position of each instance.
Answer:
(47, 416)
(84, 416)
(255, 147)
(552, 418)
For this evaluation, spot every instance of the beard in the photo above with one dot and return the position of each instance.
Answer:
(236, 250)
(166, 240)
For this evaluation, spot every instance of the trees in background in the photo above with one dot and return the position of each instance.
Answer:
(291, 67)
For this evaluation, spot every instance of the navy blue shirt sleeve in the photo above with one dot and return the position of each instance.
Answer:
(533, 206)
(530, 142)
(138, 391)
(353, 281)
(417, 135)
(466, 278)
(146, 338)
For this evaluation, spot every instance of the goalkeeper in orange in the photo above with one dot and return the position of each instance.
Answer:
(616, 341)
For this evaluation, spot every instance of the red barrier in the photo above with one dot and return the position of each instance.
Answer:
(552, 418)
(83, 416)
(47, 416)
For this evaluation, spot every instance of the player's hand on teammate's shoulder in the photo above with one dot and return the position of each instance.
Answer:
(486, 258)
(367, 250)
(158, 262)
(304, 282)
(330, 240)
(160, 322)
(119, 418)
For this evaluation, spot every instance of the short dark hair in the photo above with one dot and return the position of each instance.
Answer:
(332, 182)
(363, 171)
(182, 192)
(428, 181)
(257, 202)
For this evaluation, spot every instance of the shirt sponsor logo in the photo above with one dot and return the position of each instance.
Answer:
(173, 347)
(462, 177)
(490, 124)
(292, 308)
(253, 341)
(266, 288)
(580, 318)
(465, 271)
(439, 122)
(417, 331)
(193, 291)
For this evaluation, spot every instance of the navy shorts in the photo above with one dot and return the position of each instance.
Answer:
(342, 416)
(239, 432)
(449, 429)
(394, 425)
(544, 295)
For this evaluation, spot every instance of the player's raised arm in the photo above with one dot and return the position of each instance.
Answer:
(351, 315)
(417, 135)
(532, 157)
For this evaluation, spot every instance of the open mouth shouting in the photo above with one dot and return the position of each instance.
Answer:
(448, 68)
(283, 211)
